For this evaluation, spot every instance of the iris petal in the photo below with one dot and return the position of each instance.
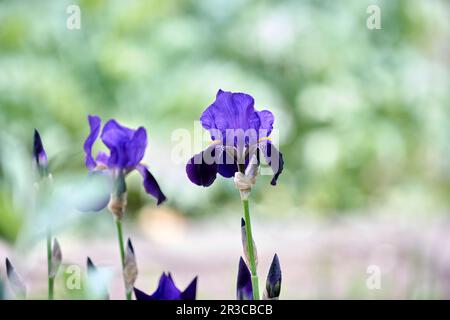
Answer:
(95, 124)
(231, 111)
(202, 168)
(140, 295)
(150, 184)
(127, 146)
(273, 157)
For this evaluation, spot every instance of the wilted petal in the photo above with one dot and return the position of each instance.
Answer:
(273, 283)
(95, 125)
(244, 289)
(273, 157)
(150, 184)
(56, 259)
(202, 168)
(15, 281)
(191, 291)
(39, 154)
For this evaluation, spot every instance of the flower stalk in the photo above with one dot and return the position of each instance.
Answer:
(122, 251)
(250, 248)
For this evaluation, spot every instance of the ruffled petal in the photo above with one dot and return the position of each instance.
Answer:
(127, 146)
(94, 124)
(244, 290)
(273, 157)
(202, 168)
(266, 119)
(231, 111)
(150, 184)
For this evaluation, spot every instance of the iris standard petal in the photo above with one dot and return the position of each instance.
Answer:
(244, 289)
(135, 148)
(166, 289)
(150, 184)
(266, 120)
(231, 111)
(201, 169)
(94, 124)
(273, 157)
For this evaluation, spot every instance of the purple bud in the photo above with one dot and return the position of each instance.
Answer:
(244, 290)
(273, 283)
(39, 155)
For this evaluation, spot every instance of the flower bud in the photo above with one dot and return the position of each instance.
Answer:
(97, 282)
(130, 271)
(56, 259)
(244, 289)
(39, 155)
(273, 283)
(15, 282)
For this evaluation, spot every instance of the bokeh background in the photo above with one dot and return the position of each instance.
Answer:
(363, 118)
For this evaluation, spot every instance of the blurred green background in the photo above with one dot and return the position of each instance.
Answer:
(363, 115)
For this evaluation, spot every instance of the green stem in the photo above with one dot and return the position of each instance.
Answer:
(122, 250)
(248, 229)
(51, 280)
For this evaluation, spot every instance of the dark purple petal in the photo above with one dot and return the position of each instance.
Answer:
(127, 146)
(227, 164)
(39, 154)
(94, 123)
(273, 283)
(140, 295)
(191, 291)
(231, 111)
(202, 168)
(244, 289)
(273, 157)
(150, 184)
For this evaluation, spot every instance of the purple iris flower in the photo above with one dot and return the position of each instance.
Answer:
(39, 155)
(168, 291)
(126, 150)
(238, 132)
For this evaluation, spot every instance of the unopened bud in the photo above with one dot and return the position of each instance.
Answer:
(130, 271)
(56, 259)
(273, 283)
(15, 281)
